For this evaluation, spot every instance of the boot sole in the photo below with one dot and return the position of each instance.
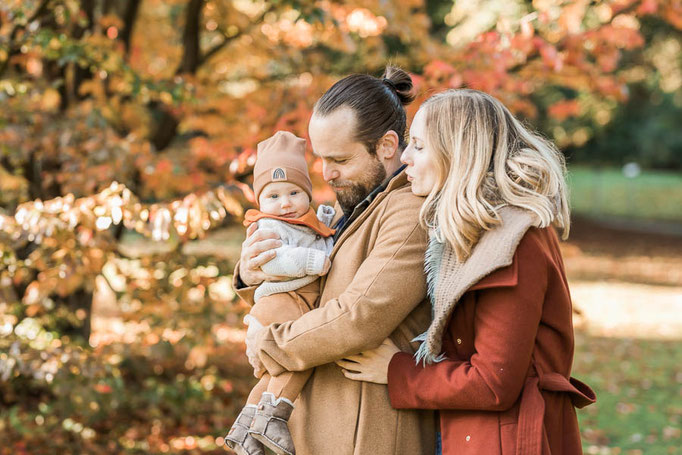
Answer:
(271, 445)
(239, 450)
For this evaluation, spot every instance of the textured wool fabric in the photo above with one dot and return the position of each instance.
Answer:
(281, 158)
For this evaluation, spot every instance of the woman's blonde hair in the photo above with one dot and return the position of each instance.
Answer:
(485, 159)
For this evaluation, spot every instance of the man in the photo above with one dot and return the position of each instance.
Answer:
(376, 285)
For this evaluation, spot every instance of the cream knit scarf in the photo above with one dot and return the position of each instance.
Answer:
(448, 279)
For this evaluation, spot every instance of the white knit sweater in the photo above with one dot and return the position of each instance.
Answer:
(300, 258)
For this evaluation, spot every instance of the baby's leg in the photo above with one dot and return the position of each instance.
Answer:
(258, 389)
(278, 308)
(288, 385)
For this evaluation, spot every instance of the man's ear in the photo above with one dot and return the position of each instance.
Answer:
(387, 146)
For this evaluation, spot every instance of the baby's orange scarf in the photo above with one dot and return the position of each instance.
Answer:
(309, 219)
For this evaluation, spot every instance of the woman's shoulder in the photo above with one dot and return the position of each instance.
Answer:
(537, 242)
(531, 258)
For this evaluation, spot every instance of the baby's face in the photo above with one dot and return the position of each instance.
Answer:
(284, 199)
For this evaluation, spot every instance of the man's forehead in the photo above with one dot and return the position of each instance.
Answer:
(337, 124)
(333, 135)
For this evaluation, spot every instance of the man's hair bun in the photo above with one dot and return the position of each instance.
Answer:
(401, 83)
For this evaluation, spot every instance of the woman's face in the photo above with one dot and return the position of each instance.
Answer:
(421, 165)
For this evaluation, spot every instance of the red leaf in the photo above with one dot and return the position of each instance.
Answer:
(648, 7)
(564, 109)
(103, 388)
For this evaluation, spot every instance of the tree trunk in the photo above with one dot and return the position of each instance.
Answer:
(129, 19)
(80, 299)
(167, 125)
(82, 74)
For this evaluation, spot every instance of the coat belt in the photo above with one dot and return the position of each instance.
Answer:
(531, 438)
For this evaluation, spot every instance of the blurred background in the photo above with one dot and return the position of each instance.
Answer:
(127, 135)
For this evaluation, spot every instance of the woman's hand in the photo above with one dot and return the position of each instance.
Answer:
(370, 366)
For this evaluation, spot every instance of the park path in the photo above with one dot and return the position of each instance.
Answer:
(627, 310)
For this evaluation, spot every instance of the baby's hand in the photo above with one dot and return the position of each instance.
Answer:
(326, 266)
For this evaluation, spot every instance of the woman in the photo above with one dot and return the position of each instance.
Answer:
(497, 356)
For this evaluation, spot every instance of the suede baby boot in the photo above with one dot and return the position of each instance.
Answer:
(239, 439)
(270, 424)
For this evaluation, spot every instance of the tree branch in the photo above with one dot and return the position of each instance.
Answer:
(228, 39)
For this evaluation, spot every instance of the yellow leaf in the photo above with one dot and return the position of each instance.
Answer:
(50, 100)
(166, 97)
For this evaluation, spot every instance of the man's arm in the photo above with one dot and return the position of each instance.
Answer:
(388, 285)
(243, 291)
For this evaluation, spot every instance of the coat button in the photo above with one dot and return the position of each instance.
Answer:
(459, 341)
(318, 237)
(468, 438)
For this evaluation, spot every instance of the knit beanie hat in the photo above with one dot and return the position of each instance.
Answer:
(281, 158)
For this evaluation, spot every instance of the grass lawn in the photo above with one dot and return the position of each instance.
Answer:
(607, 192)
(639, 395)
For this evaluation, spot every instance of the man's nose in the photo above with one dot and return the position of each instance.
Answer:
(329, 172)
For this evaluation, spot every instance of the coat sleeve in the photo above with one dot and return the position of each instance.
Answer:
(387, 286)
(244, 292)
(506, 322)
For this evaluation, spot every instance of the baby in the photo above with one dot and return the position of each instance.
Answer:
(283, 190)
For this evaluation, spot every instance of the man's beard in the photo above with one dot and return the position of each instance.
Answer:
(353, 193)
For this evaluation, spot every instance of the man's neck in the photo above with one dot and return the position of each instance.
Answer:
(392, 167)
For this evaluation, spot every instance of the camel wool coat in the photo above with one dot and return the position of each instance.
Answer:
(505, 386)
(375, 288)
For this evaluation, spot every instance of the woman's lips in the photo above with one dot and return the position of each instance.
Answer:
(289, 215)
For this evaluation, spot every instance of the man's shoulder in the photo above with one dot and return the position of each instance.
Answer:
(402, 201)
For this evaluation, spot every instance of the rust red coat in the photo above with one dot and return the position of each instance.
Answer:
(505, 387)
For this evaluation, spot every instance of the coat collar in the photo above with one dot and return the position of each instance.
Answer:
(398, 180)
(309, 220)
(449, 279)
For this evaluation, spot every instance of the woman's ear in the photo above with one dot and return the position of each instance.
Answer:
(387, 147)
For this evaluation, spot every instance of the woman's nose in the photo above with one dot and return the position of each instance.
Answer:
(285, 201)
(405, 156)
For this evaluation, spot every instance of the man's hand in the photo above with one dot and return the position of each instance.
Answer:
(257, 249)
(252, 332)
